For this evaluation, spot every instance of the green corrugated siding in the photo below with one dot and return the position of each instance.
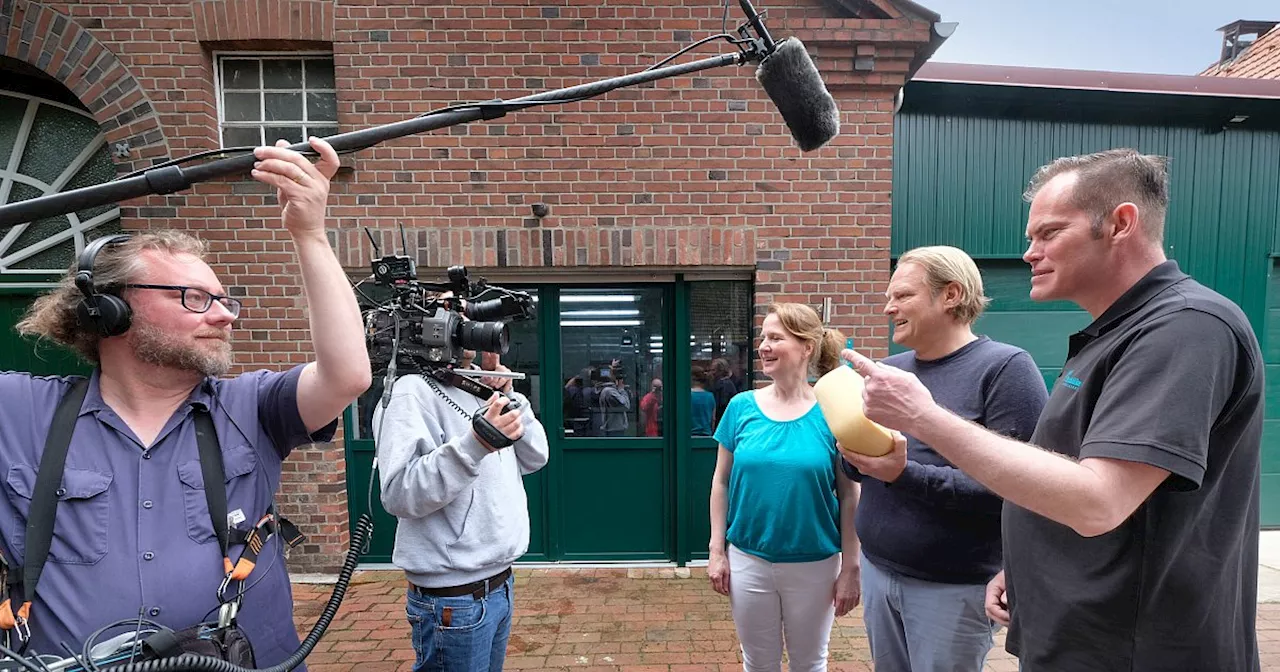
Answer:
(1271, 428)
(958, 181)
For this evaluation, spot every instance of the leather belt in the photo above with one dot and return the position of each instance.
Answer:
(476, 589)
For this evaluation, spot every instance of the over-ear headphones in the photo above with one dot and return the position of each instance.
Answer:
(106, 314)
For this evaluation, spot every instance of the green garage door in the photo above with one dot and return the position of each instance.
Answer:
(1271, 428)
(962, 158)
(1039, 328)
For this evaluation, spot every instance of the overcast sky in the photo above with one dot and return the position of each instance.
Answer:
(1164, 36)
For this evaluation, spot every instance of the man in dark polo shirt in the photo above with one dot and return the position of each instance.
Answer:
(1131, 523)
(133, 534)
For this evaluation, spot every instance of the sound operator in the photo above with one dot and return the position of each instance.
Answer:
(462, 513)
(133, 534)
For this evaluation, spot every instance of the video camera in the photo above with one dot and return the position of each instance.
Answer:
(426, 325)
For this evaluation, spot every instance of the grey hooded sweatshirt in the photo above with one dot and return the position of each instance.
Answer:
(462, 511)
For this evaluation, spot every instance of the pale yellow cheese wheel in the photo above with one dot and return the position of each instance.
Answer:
(840, 397)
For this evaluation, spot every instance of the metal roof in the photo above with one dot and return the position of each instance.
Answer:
(1097, 80)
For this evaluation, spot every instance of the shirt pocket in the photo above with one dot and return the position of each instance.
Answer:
(236, 463)
(80, 531)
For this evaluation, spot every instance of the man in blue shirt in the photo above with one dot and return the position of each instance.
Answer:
(930, 533)
(133, 534)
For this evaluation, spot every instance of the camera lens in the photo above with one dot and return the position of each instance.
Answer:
(483, 311)
(484, 336)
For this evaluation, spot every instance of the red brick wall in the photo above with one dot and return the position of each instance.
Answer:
(691, 171)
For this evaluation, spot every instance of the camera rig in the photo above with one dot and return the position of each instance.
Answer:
(426, 327)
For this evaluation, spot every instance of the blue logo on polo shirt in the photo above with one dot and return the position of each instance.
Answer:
(1071, 381)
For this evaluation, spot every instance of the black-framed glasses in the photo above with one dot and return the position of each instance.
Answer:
(195, 299)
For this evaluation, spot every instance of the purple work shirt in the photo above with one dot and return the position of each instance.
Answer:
(133, 528)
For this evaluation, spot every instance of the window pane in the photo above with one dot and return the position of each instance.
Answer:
(281, 74)
(240, 74)
(319, 74)
(283, 106)
(322, 131)
(719, 348)
(241, 136)
(291, 133)
(611, 353)
(241, 107)
(322, 107)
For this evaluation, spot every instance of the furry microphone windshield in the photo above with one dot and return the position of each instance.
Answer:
(792, 81)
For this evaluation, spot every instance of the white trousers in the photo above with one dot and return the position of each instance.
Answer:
(773, 601)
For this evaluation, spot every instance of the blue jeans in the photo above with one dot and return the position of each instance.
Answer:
(921, 626)
(460, 634)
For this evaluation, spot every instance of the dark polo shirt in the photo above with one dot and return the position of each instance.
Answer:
(1170, 375)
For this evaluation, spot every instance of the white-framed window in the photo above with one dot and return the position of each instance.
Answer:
(49, 147)
(265, 97)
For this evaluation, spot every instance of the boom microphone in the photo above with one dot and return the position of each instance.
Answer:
(794, 85)
(786, 72)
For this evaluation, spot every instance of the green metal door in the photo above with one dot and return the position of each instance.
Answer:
(1040, 328)
(21, 354)
(614, 467)
(962, 160)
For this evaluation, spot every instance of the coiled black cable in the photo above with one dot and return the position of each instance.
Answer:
(188, 662)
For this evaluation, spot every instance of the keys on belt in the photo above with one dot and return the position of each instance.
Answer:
(476, 589)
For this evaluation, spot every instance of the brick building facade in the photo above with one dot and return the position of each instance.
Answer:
(690, 173)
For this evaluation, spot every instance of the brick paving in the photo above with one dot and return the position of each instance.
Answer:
(598, 620)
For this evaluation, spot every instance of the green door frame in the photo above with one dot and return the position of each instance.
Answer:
(553, 419)
(693, 526)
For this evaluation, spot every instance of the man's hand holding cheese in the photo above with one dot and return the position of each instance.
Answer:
(885, 468)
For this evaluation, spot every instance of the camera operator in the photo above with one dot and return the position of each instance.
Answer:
(463, 515)
(133, 535)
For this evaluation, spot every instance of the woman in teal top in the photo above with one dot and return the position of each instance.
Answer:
(783, 546)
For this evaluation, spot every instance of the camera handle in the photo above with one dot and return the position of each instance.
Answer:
(482, 427)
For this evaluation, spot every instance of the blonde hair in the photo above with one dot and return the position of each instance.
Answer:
(803, 322)
(943, 265)
(53, 315)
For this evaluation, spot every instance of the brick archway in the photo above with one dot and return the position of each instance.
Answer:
(66, 51)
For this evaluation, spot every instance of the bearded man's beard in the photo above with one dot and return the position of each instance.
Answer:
(155, 346)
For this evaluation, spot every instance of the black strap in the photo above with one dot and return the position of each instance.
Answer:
(215, 489)
(44, 498)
